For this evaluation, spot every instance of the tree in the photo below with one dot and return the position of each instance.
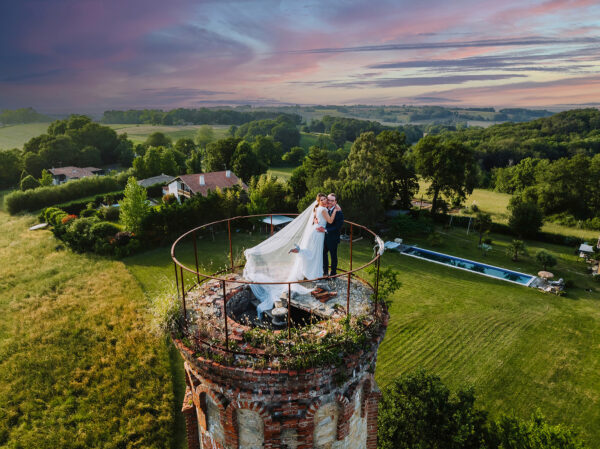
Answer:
(287, 134)
(124, 151)
(133, 206)
(418, 411)
(516, 247)
(204, 136)
(157, 139)
(483, 223)
(29, 182)
(168, 164)
(357, 199)
(545, 259)
(46, 179)
(294, 156)
(185, 145)
(89, 156)
(193, 164)
(525, 217)
(509, 432)
(268, 150)
(10, 167)
(218, 154)
(379, 160)
(337, 134)
(448, 165)
(245, 163)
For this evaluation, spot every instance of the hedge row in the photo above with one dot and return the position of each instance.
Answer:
(35, 199)
(76, 206)
(500, 228)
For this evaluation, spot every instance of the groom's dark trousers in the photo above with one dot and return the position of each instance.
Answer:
(332, 239)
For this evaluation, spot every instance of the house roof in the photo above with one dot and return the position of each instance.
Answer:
(584, 247)
(160, 179)
(75, 172)
(212, 181)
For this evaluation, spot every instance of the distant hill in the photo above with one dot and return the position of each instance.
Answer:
(23, 115)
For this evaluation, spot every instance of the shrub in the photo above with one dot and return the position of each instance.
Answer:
(169, 199)
(103, 229)
(68, 218)
(122, 238)
(88, 213)
(39, 197)
(405, 225)
(29, 182)
(109, 213)
(545, 259)
(78, 236)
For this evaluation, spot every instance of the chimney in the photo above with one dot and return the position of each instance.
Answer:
(201, 180)
(228, 173)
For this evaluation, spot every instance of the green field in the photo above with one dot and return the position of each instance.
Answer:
(281, 172)
(521, 349)
(496, 204)
(139, 133)
(14, 136)
(78, 364)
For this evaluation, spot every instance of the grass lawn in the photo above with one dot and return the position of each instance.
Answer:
(78, 365)
(139, 133)
(284, 173)
(496, 204)
(521, 349)
(14, 136)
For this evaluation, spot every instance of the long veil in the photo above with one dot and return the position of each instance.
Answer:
(270, 261)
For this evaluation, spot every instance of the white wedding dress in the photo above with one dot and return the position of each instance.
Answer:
(271, 261)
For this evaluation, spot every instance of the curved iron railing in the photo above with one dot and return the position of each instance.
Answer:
(220, 276)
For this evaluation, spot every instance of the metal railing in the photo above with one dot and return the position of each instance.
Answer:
(220, 276)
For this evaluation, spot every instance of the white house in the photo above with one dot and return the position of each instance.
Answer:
(200, 183)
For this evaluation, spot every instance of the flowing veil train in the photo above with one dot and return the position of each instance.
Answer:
(270, 261)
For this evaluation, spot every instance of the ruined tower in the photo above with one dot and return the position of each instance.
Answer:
(300, 378)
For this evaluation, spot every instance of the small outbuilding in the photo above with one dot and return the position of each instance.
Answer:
(585, 250)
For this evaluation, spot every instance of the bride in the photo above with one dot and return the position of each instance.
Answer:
(272, 260)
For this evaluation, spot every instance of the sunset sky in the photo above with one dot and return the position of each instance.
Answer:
(89, 56)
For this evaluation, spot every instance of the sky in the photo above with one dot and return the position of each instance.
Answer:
(92, 55)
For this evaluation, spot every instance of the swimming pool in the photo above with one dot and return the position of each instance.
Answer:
(470, 265)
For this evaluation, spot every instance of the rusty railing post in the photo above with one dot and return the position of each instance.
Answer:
(289, 306)
(230, 247)
(377, 284)
(225, 315)
(350, 246)
(183, 295)
(196, 256)
(176, 278)
(271, 224)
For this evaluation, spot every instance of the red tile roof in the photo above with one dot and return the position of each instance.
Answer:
(212, 181)
(75, 172)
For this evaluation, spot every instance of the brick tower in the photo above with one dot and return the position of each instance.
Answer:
(241, 394)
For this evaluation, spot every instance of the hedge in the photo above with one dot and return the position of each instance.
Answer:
(500, 228)
(76, 206)
(35, 199)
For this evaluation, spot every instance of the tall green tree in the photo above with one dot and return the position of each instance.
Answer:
(525, 218)
(133, 206)
(193, 164)
(158, 139)
(483, 223)
(219, 154)
(204, 136)
(245, 163)
(448, 165)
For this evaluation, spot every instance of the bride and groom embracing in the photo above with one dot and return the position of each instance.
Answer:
(313, 236)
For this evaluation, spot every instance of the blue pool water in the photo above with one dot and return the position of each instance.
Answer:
(470, 265)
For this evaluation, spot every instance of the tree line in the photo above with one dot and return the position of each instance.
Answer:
(183, 116)
(22, 115)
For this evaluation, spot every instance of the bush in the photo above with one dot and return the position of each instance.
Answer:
(103, 229)
(31, 200)
(29, 182)
(166, 314)
(406, 225)
(109, 213)
(169, 199)
(122, 238)
(88, 213)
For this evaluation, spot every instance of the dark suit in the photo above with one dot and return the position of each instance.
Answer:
(332, 239)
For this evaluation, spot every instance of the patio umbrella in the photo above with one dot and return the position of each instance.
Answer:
(545, 274)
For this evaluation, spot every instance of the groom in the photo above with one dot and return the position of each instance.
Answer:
(332, 235)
